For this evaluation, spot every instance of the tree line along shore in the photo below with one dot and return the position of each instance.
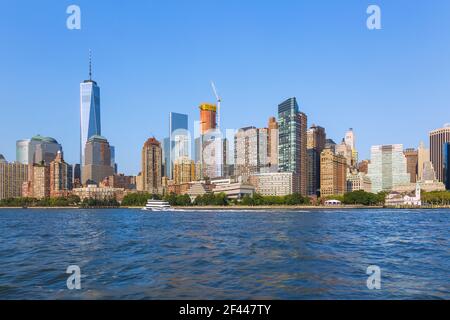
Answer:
(356, 198)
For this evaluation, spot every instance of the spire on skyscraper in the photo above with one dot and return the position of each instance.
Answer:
(90, 65)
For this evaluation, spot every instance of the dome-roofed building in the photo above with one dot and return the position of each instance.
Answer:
(38, 149)
(44, 139)
(2, 159)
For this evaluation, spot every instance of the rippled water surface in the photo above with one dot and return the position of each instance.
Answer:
(131, 254)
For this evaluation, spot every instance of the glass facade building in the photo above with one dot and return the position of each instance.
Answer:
(388, 168)
(89, 114)
(23, 151)
(446, 162)
(292, 152)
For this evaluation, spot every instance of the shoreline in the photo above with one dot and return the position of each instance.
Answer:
(242, 208)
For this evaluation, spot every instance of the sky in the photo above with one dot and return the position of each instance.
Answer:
(152, 57)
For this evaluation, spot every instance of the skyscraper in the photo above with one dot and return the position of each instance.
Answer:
(38, 149)
(292, 155)
(97, 161)
(23, 151)
(423, 157)
(273, 143)
(251, 151)
(387, 168)
(333, 174)
(345, 150)
(151, 166)
(446, 161)
(179, 139)
(90, 124)
(316, 140)
(438, 138)
(412, 159)
(165, 164)
(350, 139)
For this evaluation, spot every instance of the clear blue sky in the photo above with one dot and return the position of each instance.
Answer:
(152, 57)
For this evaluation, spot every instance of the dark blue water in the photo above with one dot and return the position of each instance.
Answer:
(131, 254)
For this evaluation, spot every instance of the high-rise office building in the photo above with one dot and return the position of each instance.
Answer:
(446, 163)
(423, 156)
(60, 177)
(345, 150)
(313, 172)
(114, 164)
(388, 168)
(316, 140)
(438, 138)
(272, 141)
(165, 149)
(23, 151)
(333, 173)
(292, 155)
(179, 139)
(251, 151)
(151, 166)
(90, 124)
(97, 161)
(76, 177)
(330, 144)
(350, 140)
(12, 177)
(37, 150)
(412, 160)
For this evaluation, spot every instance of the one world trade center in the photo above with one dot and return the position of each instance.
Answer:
(89, 112)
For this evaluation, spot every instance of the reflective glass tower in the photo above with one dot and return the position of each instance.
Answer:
(446, 162)
(292, 152)
(89, 112)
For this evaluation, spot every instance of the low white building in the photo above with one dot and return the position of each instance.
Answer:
(272, 184)
(395, 199)
(333, 203)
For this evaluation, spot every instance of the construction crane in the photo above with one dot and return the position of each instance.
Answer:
(219, 100)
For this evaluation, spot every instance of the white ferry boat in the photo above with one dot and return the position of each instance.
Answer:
(157, 205)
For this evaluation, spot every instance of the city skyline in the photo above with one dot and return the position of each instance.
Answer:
(142, 108)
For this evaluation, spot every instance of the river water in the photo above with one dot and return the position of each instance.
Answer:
(132, 254)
